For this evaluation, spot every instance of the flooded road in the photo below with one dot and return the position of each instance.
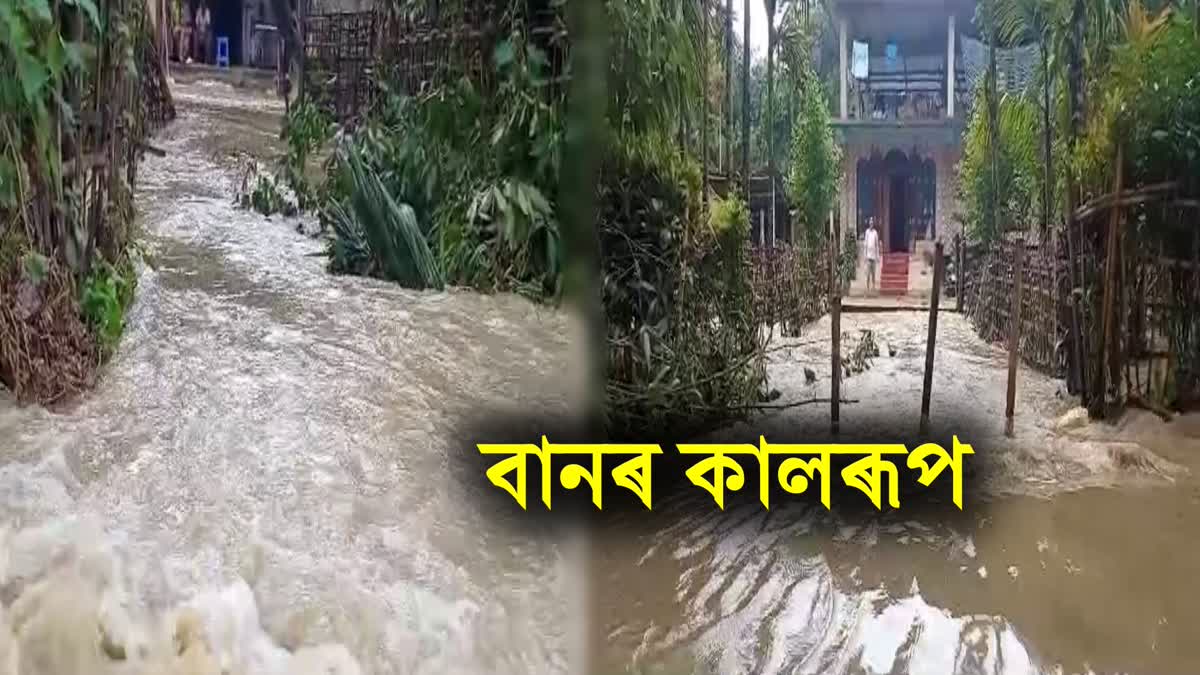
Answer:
(270, 448)
(266, 462)
(1078, 551)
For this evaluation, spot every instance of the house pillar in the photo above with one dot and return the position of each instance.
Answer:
(843, 29)
(950, 79)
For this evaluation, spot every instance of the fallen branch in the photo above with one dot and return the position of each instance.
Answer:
(1137, 401)
(793, 404)
(157, 152)
(1124, 198)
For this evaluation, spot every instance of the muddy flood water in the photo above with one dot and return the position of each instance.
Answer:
(262, 483)
(1080, 554)
(265, 461)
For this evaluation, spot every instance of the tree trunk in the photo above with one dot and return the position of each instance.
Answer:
(771, 108)
(704, 94)
(1075, 244)
(1047, 140)
(587, 96)
(728, 154)
(746, 101)
(993, 112)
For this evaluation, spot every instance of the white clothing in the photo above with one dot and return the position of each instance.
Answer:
(871, 243)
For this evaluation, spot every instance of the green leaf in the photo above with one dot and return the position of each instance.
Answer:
(504, 54)
(34, 266)
(38, 9)
(54, 56)
(33, 76)
(89, 8)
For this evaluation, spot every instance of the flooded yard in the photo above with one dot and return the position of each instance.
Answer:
(1077, 555)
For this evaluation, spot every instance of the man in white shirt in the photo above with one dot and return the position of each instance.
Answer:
(873, 253)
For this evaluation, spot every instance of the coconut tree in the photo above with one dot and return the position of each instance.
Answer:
(1021, 22)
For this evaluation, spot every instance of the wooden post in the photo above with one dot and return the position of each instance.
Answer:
(746, 101)
(835, 322)
(950, 82)
(843, 30)
(1111, 264)
(939, 266)
(960, 272)
(1014, 334)
(704, 96)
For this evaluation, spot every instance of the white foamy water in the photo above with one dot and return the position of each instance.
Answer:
(268, 459)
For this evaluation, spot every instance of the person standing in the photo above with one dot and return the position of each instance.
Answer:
(186, 34)
(203, 34)
(873, 253)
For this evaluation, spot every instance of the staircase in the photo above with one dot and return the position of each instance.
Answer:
(893, 274)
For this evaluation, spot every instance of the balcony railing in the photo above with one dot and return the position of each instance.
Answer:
(906, 90)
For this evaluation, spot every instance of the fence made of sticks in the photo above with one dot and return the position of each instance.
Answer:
(1140, 305)
(350, 56)
(988, 288)
(790, 285)
(338, 58)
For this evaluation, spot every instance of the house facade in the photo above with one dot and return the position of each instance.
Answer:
(900, 117)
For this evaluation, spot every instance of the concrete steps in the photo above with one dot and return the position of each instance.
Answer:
(893, 274)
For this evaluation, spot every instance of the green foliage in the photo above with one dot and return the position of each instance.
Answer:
(106, 294)
(1015, 191)
(34, 267)
(35, 60)
(266, 193)
(1150, 106)
(816, 161)
(479, 176)
(307, 127)
(729, 217)
(654, 66)
(683, 349)
(389, 229)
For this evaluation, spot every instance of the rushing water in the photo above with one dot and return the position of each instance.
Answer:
(262, 483)
(1081, 554)
(266, 462)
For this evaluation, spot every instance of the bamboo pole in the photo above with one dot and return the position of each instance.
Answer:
(939, 265)
(746, 101)
(960, 272)
(1014, 335)
(728, 156)
(1111, 261)
(771, 111)
(835, 322)
(704, 95)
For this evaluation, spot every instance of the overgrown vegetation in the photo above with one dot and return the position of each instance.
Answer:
(816, 162)
(1108, 152)
(1012, 197)
(80, 88)
(459, 185)
(285, 189)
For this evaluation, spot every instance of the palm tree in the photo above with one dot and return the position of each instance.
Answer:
(1040, 21)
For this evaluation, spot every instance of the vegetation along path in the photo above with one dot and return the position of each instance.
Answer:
(264, 420)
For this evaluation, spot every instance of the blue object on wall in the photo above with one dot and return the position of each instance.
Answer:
(223, 52)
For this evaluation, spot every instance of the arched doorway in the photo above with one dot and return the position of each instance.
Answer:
(897, 191)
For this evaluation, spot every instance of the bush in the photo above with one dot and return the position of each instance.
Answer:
(683, 349)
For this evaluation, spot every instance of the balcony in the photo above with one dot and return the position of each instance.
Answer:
(911, 89)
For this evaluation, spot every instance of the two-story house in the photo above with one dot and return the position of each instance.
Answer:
(900, 116)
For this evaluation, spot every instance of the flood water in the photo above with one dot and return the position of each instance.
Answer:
(266, 463)
(271, 448)
(1079, 555)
